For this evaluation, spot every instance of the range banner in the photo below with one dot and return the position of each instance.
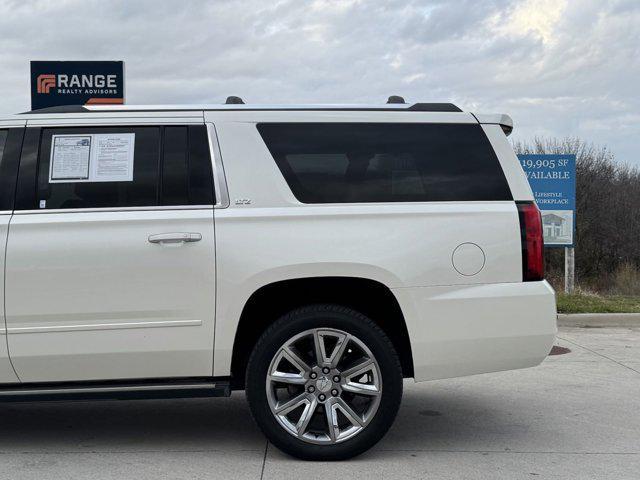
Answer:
(553, 181)
(55, 84)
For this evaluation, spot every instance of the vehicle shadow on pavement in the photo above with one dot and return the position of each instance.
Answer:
(185, 424)
(426, 421)
(445, 421)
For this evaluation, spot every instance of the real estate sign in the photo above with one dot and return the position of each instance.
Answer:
(553, 181)
(76, 83)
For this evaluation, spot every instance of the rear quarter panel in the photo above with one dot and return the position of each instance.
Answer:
(402, 245)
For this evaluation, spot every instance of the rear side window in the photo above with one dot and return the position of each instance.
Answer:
(10, 145)
(355, 162)
(170, 166)
(141, 190)
(186, 167)
(5, 203)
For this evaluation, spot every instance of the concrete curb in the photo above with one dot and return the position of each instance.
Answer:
(599, 320)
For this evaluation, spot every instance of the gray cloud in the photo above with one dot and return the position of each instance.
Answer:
(559, 67)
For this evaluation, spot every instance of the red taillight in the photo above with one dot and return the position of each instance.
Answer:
(532, 241)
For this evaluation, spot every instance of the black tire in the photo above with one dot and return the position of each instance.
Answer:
(335, 317)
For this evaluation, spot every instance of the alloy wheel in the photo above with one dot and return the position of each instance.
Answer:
(324, 386)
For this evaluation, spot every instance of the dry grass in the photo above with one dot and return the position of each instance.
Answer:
(586, 302)
(617, 292)
(625, 281)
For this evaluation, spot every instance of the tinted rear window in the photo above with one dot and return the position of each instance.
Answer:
(355, 162)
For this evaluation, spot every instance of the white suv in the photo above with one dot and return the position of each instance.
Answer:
(313, 256)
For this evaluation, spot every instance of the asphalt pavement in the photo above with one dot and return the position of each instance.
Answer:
(573, 417)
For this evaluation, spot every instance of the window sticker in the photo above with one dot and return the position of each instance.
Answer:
(104, 157)
(113, 157)
(70, 158)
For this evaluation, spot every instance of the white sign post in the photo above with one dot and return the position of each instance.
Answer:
(569, 269)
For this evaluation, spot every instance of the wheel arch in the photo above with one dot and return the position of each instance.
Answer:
(271, 301)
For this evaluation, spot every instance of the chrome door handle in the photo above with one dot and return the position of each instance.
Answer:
(178, 237)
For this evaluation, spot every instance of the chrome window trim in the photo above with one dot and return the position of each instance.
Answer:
(103, 326)
(114, 209)
(12, 124)
(219, 178)
(122, 119)
(116, 122)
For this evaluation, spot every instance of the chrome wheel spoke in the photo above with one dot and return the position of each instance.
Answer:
(332, 422)
(291, 404)
(361, 388)
(319, 347)
(339, 351)
(299, 378)
(353, 376)
(305, 418)
(329, 356)
(295, 359)
(348, 412)
(360, 368)
(290, 378)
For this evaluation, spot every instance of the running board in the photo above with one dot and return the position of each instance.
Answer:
(116, 390)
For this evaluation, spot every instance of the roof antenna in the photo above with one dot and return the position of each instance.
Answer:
(395, 99)
(233, 99)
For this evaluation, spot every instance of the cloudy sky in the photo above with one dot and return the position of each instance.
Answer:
(559, 67)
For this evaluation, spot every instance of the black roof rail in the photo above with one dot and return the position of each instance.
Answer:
(416, 107)
(60, 109)
(434, 107)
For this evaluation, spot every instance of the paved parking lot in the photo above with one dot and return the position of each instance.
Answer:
(575, 417)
